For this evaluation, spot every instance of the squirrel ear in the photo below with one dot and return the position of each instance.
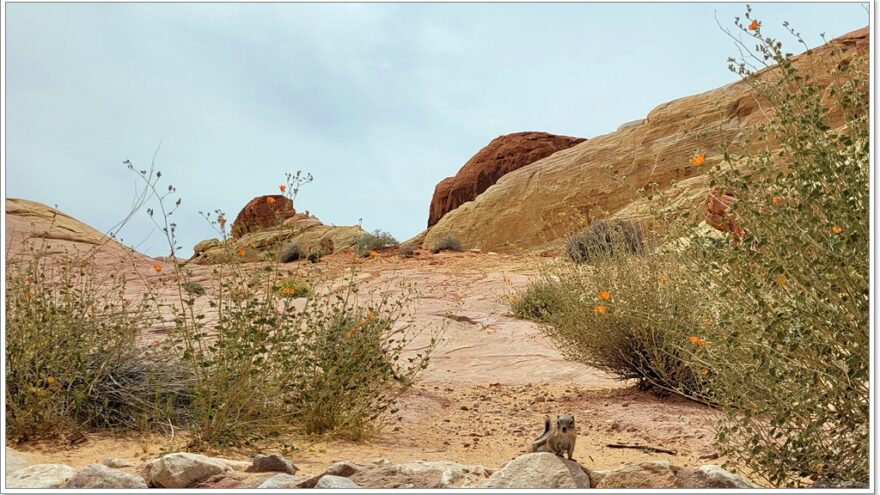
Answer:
(557, 416)
(572, 419)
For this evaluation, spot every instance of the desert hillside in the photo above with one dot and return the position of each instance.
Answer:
(533, 205)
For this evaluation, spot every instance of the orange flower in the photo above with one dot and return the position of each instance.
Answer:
(781, 280)
(242, 252)
(604, 295)
(270, 200)
(836, 229)
(282, 187)
(351, 332)
(697, 341)
(698, 159)
(157, 342)
(158, 268)
(370, 315)
(755, 25)
(599, 310)
(664, 279)
(50, 381)
(30, 294)
(776, 201)
(287, 290)
(374, 254)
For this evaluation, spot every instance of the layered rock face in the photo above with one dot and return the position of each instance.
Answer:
(502, 155)
(536, 205)
(262, 212)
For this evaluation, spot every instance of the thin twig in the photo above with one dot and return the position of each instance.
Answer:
(640, 447)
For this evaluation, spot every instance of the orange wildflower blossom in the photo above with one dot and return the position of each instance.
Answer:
(781, 280)
(697, 341)
(836, 229)
(242, 252)
(282, 188)
(374, 254)
(351, 332)
(50, 381)
(777, 201)
(698, 159)
(288, 290)
(604, 295)
(599, 310)
(270, 200)
(755, 25)
(157, 267)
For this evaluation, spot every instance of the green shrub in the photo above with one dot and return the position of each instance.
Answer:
(447, 243)
(601, 238)
(315, 256)
(72, 359)
(791, 339)
(371, 242)
(291, 252)
(537, 302)
(631, 316)
(407, 251)
(194, 288)
(293, 287)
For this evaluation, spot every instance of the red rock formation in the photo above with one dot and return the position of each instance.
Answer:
(504, 154)
(718, 203)
(262, 212)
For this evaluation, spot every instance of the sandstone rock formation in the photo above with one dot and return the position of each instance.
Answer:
(262, 212)
(40, 476)
(538, 204)
(663, 474)
(502, 155)
(182, 470)
(539, 470)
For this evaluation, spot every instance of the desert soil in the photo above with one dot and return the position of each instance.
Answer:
(484, 395)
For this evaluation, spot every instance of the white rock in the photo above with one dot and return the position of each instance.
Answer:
(183, 469)
(101, 476)
(281, 481)
(329, 481)
(115, 462)
(40, 476)
(711, 476)
(539, 470)
(15, 460)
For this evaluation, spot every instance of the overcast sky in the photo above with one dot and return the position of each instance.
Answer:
(378, 101)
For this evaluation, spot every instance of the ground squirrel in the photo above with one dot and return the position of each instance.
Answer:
(558, 439)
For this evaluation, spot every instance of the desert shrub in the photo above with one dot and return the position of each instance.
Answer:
(194, 288)
(293, 287)
(377, 240)
(629, 315)
(790, 341)
(70, 342)
(447, 243)
(537, 302)
(601, 238)
(291, 252)
(315, 256)
(407, 251)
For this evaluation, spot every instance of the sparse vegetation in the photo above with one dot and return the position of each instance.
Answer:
(194, 288)
(602, 238)
(293, 287)
(315, 256)
(447, 243)
(291, 252)
(407, 251)
(538, 302)
(371, 242)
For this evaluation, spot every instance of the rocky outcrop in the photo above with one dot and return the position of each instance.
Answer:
(301, 229)
(538, 204)
(420, 474)
(502, 155)
(262, 212)
(272, 463)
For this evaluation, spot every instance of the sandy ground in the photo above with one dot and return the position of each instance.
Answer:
(485, 393)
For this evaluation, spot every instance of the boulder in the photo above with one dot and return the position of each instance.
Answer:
(502, 155)
(538, 204)
(262, 212)
(539, 470)
(181, 470)
(344, 468)
(420, 474)
(711, 476)
(270, 463)
(262, 245)
(40, 476)
(651, 474)
(221, 481)
(283, 481)
(96, 476)
(205, 245)
(330, 482)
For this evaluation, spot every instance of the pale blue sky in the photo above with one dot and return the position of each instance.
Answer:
(378, 101)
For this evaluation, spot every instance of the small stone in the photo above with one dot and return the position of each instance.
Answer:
(115, 462)
(464, 408)
(329, 482)
(272, 463)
